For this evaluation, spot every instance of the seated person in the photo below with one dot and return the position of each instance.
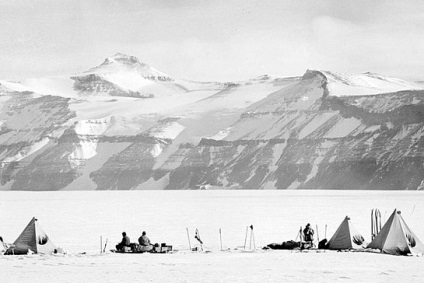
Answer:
(124, 243)
(144, 242)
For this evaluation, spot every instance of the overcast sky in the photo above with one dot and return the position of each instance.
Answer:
(214, 40)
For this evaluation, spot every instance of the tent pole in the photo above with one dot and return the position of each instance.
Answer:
(325, 235)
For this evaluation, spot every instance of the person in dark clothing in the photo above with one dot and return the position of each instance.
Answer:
(144, 243)
(144, 240)
(308, 234)
(124, 243)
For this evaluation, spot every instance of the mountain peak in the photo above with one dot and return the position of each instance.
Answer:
(120, 58)
(126, 59)
(122, 63)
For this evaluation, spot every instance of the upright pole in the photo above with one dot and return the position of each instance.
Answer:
(254, 244)
(201, 244)
(250, 242)
(101, 244)
(220, 237)
(325, 235)
(104, 249)
(188, 237)
(372, 224)
(317, 234)
(245, 238)
(300, 236)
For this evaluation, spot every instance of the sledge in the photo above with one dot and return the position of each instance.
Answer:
(289, 245)
(138, 249)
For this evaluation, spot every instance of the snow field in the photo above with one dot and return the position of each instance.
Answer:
(76, 220)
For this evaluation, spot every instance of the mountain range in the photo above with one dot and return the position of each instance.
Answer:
(123, 125)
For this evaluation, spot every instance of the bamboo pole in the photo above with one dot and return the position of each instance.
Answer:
(245, 238)
(220, 237)
(188, 237)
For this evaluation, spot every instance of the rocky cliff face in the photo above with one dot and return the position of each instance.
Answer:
(266, 133)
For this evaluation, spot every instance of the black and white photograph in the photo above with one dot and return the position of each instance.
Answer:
(211, 141)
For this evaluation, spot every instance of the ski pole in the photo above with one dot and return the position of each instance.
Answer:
(101, 244)
(325, 235)
(188, 236)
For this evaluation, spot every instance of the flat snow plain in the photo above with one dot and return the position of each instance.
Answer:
(76, 220)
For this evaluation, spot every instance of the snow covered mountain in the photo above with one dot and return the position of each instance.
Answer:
(125, 125)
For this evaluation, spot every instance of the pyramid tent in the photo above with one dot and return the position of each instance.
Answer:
(396, 238)
(32, 239)
(346, 237)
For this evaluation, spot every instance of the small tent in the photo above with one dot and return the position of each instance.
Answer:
(396, 238)
(32, 239)
(346, 237)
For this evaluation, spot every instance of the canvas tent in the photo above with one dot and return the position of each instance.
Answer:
(396, 238)
(346, 237)
(32, 239)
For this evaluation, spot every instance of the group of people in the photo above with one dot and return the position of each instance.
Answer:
(144, 243)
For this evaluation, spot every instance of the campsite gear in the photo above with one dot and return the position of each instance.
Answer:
(32, 240)
(188, 236)
(375, 223)
(135, 248)
(3, 246)
(252, 237)
(323, 244)
(317, 233)
(104, 249)
(300, 235)
(140, 248)
(397, 238)
(289, 245)
(197, 237)
(245, 238)
(346, 237)
(220, 238)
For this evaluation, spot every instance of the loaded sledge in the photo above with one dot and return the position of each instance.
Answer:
(138, 249)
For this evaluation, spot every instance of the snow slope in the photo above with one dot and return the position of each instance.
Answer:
(165, 127)
(365, 84)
